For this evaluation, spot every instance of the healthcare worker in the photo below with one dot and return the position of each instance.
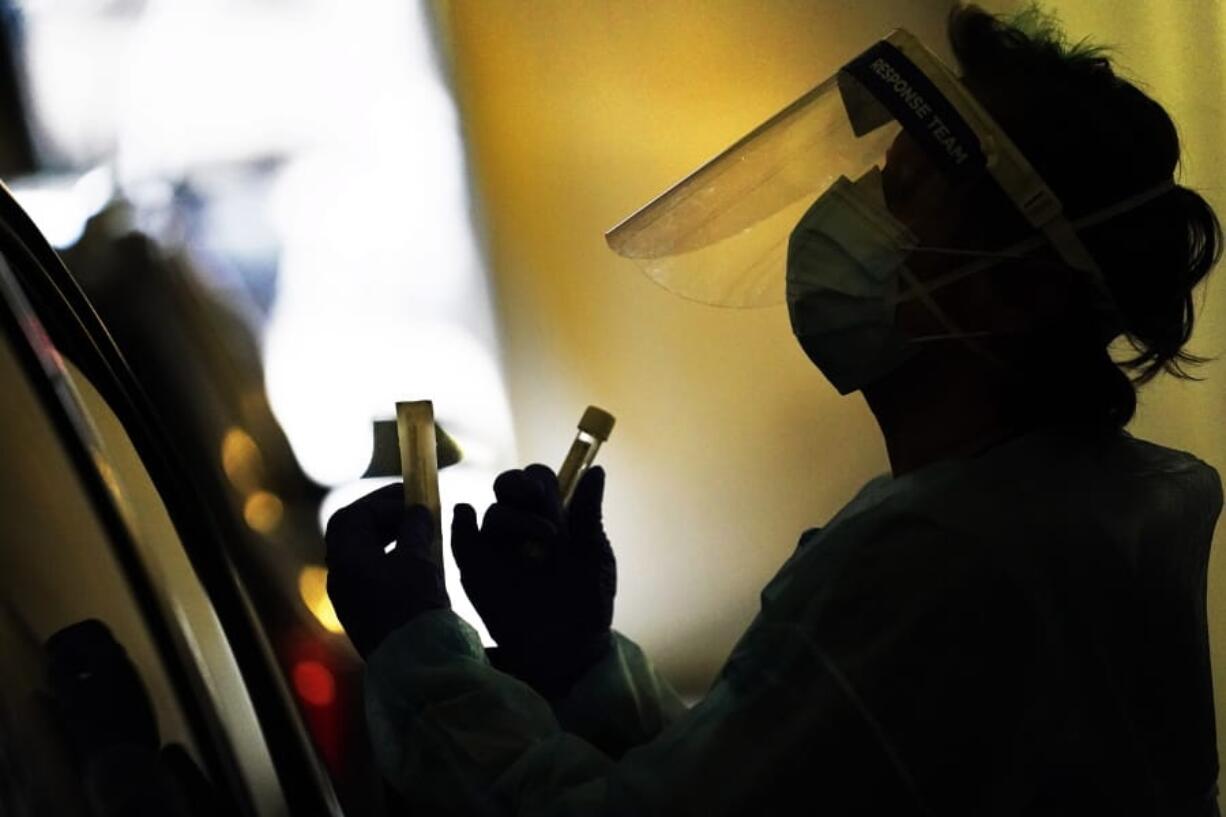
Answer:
(1012, 623)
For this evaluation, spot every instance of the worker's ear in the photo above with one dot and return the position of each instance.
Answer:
(1030, 295)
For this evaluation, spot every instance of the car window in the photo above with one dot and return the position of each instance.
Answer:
(173, 574)
(84, 672)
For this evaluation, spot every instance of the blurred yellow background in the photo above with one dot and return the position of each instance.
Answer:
(729, 443)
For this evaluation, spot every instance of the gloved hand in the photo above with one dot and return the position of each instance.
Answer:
(542, 577)
(375, 592)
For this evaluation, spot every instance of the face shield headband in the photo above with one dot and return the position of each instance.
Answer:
(719, 236)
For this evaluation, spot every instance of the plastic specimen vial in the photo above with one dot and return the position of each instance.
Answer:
(594, 429)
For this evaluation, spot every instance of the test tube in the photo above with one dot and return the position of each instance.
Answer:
(594, 429)
(419, 464)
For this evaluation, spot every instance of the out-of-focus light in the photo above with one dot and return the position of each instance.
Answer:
(241, 460)
(314, 683)
(114, 486)
(329, 380)
(313, 587)
(61, 205)
(263, 511)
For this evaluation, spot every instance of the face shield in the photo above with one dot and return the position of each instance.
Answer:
(720, 236)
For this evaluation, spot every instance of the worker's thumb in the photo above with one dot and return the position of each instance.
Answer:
(585, 505)
(464, 536)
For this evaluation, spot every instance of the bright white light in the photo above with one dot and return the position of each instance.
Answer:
(381, 293)
(215, 82)
(76, 68)
(330, 377)
(61, 205)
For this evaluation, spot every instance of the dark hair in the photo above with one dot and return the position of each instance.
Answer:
(1096, 139)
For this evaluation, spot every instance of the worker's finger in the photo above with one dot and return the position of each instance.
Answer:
(416, 532)
(585, 506)
(543, 476)
(465, 537)
(547, 488)
(517, 489)
(508, 528)
(363, 528)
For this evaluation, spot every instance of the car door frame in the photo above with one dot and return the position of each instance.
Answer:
(43, 312)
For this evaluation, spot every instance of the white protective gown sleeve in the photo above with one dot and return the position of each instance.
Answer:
(966, 640)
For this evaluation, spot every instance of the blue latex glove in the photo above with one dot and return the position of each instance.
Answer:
(542, 577)
(374, 591)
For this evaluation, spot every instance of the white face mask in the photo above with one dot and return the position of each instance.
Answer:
(845, 266)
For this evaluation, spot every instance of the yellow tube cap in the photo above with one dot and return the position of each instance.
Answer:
(597, 422)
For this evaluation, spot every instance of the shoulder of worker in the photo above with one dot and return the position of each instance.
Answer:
(886, 594)
(1069, 494)
(1013, 514)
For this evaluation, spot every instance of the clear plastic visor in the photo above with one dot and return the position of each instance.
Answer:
(720, 235)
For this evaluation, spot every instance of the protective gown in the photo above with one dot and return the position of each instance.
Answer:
(1020, 633)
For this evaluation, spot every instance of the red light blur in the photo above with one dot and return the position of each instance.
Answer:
(314, 683)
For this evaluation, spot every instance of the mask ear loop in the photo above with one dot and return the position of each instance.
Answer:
(1020, 250)
(987, 260)
(954, 331)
